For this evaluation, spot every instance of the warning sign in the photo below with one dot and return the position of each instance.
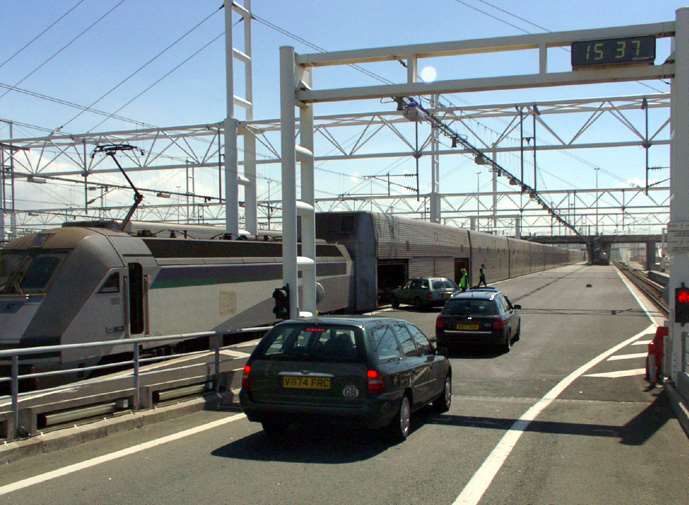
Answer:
(678, 238)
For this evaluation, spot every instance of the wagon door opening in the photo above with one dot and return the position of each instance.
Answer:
(391, 274)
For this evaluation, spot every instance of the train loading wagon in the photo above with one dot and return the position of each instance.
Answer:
(387, 250)
(81, 284)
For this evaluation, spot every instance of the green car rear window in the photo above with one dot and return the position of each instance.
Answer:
(331, 343)
(472, 307)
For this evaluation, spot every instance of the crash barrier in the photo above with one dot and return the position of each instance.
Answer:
(26, 414)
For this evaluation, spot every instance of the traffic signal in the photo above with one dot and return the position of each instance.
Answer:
(281, 296)
(682, 304)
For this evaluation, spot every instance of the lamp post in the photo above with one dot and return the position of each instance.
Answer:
(596, 169)
(478, 201)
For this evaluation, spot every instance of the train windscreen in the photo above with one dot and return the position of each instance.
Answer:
(23, 272)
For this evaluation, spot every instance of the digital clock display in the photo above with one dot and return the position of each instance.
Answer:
(614, 51)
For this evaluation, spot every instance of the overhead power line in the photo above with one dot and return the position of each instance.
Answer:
(65, 46)
(73, 105)
(523, 30)
(40, 34)
(144, 65)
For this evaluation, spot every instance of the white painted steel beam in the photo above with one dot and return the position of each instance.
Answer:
(478, 46)
(477, 84)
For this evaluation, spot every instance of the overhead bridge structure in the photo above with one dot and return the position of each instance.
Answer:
(596, 243)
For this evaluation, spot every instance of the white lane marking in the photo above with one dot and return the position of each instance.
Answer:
(618, 374)
(234, 354)
(628, 356)
(632, 290)
(642, 342)
(374, 312)
(248, 343)
(61, 472)
(477, 486)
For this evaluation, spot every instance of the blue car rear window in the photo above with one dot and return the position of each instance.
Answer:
(474, 307)
(312, 343)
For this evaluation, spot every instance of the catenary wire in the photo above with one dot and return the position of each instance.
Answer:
(65, 46)
(40, 34)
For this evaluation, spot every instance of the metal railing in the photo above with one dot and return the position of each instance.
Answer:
(215, 345)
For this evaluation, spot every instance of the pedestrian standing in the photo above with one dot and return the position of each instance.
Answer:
(482, 276)
(463, 280)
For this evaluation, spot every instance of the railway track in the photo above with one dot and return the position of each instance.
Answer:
(653, 290)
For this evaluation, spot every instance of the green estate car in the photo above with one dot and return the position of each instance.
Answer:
(424, 292)
(369, 371)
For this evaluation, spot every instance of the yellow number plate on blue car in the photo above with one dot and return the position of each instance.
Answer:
(320, 383)
(468, 326)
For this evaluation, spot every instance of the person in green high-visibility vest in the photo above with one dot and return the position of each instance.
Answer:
(464, 280)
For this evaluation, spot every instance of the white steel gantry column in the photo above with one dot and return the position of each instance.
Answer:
(435, 168)
(293, 78)
(232, 177)
(679, 184)
(290, 271)
(250, 211)
(231, 184)
(305, 207)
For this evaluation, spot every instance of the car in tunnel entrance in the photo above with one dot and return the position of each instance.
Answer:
(371, 372)
(424, 292)
(478, 316)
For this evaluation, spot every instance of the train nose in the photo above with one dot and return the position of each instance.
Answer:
(16, 314)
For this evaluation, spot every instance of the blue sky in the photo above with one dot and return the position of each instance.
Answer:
(137, 29)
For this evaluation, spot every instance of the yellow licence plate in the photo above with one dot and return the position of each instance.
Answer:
(446, 296)
(320, 383)
(468, 326)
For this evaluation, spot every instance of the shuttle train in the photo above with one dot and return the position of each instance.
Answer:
(89, 282)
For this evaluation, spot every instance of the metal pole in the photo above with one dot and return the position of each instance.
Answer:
(250, 205)
(220, 155)
(15, 393)
(597, 198)
(289, 186)
(417, 155)
(644, 105)
(186, 171)
(435, 168)
(86, 179)
(521, 143)
(535, 175)
(478, 199)
(495, 189)
(308, 218)
(13, 215)
(231, 183)
(137, 379)
(679, 180)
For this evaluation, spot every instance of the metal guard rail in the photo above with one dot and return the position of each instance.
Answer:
(136, 361)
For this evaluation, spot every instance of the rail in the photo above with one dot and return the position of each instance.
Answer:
(215, 341)
(652, 289)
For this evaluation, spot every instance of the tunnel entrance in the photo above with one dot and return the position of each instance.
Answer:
(391, 274)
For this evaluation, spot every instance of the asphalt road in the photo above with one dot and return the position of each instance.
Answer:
(596, 439)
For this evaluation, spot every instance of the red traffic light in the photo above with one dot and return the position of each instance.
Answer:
(682, 296)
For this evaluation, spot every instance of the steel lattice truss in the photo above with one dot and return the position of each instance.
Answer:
(358, 137)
